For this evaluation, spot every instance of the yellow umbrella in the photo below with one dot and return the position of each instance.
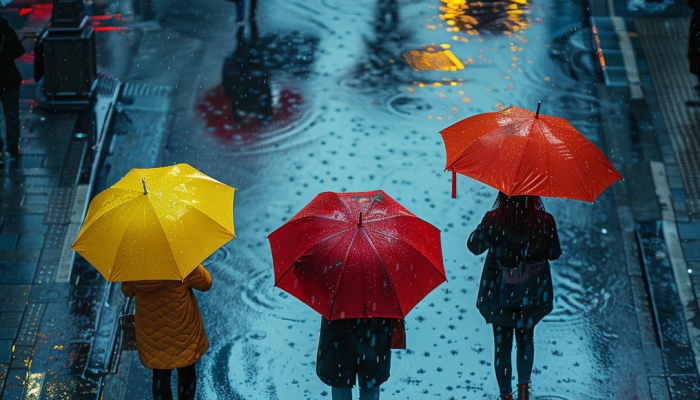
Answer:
(156, 224)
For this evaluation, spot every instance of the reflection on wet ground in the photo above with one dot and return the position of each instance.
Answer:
(348, 113)
(258, 97)
(486, 17)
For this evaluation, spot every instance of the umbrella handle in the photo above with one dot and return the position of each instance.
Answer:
(359, 222)
(454, 184)
(143, 182)
(537, 114)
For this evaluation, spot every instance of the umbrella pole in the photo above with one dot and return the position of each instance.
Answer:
(539, 104)
(454, 184)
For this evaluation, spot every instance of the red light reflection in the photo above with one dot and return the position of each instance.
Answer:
(215, 109)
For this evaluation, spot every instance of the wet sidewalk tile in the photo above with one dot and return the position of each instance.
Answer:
(17, 272)
(9, 325)
(14, 297)
(5, 353)
(15, 223)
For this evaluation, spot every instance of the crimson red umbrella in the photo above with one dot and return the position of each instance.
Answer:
(520, 152)
(355, 255)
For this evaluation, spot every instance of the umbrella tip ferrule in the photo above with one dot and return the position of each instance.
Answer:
(359, 221)
(143, 182)
(537, 114)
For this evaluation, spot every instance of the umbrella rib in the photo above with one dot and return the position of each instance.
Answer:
(488, 166)
(306, 251)
(160, 225)
(195, 208)
(579, 170)
(121, 240)
(522, 153)
(408, 244)
(403, 314)
(340, 275)
(576, 161)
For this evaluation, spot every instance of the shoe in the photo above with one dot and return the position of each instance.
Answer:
(506, 396)
(523, 391)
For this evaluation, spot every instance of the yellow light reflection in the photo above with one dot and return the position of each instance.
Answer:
(474, 17)
(32, 389)
(433, 59)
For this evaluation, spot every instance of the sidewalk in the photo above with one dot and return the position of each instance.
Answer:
(642, 56)
(44, 194)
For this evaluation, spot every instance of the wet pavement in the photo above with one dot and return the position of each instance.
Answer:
(350, 97)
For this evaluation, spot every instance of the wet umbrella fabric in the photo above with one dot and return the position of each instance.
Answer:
(520, 152)
(156, 224)
(356, 255)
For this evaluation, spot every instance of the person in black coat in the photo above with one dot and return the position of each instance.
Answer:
(358, 347)
(519, 236)
(10, 81)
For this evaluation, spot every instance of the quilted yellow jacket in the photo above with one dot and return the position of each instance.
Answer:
(169, 329)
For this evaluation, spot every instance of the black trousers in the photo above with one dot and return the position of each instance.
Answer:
(186, 383)
(10, 105)
(525, 354)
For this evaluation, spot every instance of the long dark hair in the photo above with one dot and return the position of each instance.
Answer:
(523, 214)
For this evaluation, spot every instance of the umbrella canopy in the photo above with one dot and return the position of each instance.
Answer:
(523, 153)
(355, 255)
(157, 223)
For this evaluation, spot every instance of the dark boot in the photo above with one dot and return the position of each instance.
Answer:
(506, 396)
(523, 391)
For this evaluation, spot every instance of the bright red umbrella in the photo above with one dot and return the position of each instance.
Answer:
(355, 255)
(523, 153)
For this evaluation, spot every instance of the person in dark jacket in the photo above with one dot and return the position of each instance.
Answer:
(10, 81)
(357, 347)
(518, 234)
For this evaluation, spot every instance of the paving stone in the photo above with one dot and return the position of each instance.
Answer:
(14, 297)
(23, 223)
(15, 377)
(14, 197)
(689, 230)
(12, 392)
(17, 272)
(21, 357)
(5, 355)
(30, 241)
(38, 199)
(45, 181)
(691, 249)
(9, 325)
(31, 161)
(20, 255)
(8, 241)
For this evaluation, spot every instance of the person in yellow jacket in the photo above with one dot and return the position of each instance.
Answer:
(169, 330)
